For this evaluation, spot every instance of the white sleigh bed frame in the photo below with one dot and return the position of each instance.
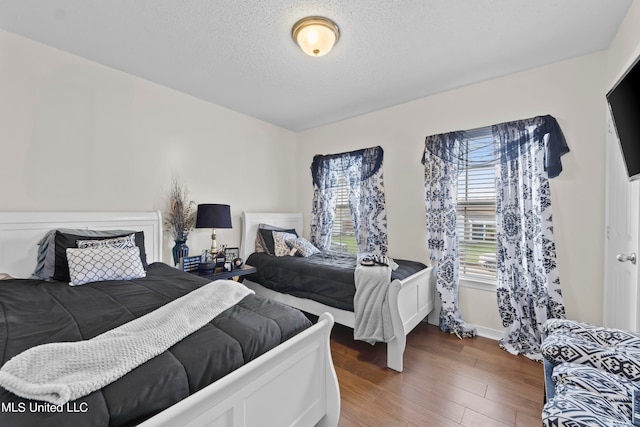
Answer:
(410, 300)
(301, 369)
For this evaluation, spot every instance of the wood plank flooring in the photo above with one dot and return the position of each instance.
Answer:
(446, 382)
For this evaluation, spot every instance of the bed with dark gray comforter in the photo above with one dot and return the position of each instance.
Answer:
(35, 312)
(326, 277)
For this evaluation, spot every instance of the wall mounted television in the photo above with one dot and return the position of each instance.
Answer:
(624, 103)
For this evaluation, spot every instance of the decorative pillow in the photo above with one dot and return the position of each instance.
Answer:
(63, 241)
(280, 242)
(259, 242)
(104, 263)
(259, 247)
(267, 238)
(46, 258)
(116, 242)
(303, 247)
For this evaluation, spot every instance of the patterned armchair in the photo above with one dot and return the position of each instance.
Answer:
(590, 374)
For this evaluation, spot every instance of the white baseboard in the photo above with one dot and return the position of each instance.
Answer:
(493, 334)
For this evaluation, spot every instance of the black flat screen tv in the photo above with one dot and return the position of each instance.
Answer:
(624, 102)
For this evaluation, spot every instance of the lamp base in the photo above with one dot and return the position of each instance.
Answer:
(214, 245)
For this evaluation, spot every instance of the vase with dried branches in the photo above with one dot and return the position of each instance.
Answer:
(180, 218)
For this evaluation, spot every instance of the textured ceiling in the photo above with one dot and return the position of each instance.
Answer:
(239, 53)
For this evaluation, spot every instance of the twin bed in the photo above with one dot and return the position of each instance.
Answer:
(257, 363)
(260, 362)
(410, 298)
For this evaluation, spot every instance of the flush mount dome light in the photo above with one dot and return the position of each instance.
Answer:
(315, 35)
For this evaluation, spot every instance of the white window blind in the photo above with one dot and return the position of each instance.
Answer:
(343, 236)
(476, 209)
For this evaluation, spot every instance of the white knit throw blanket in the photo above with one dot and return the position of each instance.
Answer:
(370, 303)
(65, 371)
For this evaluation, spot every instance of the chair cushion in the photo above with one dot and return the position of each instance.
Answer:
(596, 334)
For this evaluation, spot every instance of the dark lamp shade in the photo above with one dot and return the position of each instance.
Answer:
(213, 216)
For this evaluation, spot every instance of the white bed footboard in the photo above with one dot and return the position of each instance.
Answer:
(292, 385)
(410, 299)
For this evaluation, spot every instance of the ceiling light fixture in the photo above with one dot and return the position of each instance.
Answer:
(315, 35)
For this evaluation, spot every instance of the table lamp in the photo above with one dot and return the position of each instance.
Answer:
(213, 216)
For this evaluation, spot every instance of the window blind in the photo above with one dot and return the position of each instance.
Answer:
(343, 236)
(476, 208)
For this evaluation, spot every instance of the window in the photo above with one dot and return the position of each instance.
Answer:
(343, 234)
(476, 209)
(348, 211)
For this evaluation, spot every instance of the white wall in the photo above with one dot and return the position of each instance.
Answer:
(75, 135)
(625, 48)
(571, 91)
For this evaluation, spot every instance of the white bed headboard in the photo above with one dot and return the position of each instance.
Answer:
(20, 233)
(251, 220)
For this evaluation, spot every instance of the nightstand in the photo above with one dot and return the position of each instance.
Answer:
(238, 272)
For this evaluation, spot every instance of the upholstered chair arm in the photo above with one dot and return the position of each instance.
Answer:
(570, 375)
(586, 396)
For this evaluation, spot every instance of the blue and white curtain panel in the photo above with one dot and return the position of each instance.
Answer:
(442, 166)
(526, 154)
(362, 171)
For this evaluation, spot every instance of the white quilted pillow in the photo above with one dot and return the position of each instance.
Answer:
(105, 263)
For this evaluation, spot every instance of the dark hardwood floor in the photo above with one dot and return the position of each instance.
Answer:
(446, 382)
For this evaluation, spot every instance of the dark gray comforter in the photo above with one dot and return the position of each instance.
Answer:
(326, 277)
(34, 312)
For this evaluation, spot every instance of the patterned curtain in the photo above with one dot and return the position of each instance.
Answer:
(323, 211)
(527, 153)
(528, 281)
(362, 170)
(442, 160)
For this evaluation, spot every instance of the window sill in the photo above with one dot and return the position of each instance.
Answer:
(483, 285)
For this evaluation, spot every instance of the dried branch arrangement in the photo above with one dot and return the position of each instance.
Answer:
(180, 217)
